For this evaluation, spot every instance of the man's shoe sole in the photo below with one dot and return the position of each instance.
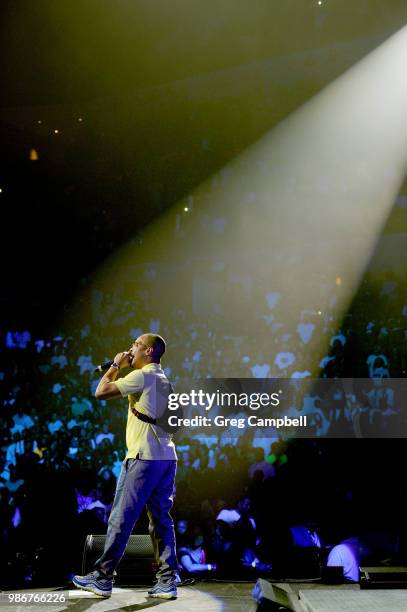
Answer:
(162, 595)
(89, 590)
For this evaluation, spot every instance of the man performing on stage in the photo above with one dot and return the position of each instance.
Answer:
(148, 471)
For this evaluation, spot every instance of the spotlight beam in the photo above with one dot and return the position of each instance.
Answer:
(310, 197)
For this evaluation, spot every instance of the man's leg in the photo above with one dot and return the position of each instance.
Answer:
(161, 524)
(134, 487)
(97, 582)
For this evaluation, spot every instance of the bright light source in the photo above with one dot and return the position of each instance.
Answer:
(186, 209)
(33, 155)
(338, 281)
(319, 2)
(319, 312)
(1, 191)
(56, 131)
(80, 119)
(321, 185)
(39, 121)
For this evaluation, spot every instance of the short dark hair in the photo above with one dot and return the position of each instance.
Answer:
(158, 344)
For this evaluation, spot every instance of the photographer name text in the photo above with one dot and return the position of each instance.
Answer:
(239, 423)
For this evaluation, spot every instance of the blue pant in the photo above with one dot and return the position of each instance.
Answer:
(142, 482)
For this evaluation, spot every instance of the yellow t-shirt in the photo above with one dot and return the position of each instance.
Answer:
(147, 390)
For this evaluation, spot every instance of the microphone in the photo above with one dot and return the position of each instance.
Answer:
(103, 366)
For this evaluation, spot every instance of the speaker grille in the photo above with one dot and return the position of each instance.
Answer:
(137, 566)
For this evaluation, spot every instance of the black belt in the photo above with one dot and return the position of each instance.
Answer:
(143, 417)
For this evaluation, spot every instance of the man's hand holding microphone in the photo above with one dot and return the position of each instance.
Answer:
(122, 360)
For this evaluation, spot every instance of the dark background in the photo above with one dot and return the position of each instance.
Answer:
(149, 99)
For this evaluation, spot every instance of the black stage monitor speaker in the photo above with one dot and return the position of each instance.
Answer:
(271, 597)
(383, 577)
(137, 566)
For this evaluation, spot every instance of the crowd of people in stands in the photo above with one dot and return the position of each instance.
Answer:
(243, 503)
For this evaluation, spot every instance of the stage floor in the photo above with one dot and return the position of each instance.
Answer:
(225, 597)
(201, 596)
